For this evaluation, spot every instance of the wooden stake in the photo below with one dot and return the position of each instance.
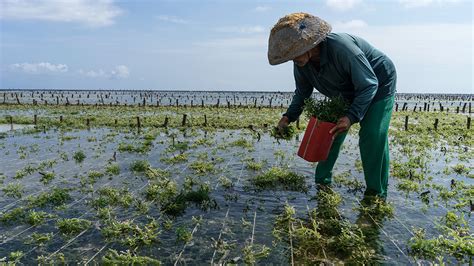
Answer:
(183, 123)
(406, 122)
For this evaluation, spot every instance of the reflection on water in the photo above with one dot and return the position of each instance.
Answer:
(334, 226)
(9, 127)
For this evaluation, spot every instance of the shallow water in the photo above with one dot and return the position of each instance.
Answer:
(10, 127)
(225, 222)
(197, 98)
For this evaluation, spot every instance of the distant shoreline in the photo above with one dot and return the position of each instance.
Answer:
(208, 91)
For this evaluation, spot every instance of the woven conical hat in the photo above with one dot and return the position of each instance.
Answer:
(294, 35)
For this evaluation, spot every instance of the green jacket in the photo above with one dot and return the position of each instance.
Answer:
(349, 67)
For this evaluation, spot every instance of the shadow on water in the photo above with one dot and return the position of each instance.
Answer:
(371, 226)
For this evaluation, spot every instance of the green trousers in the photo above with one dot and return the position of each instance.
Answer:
(373, 145)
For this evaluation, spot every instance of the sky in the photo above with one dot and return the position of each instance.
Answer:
(220, 45)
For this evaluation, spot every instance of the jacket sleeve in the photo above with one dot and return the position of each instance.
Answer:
(365, 85)
(303, 91)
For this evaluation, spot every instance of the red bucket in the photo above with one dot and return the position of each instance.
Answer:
(317, 141)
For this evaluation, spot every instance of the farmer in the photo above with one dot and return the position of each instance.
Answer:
(346, 65)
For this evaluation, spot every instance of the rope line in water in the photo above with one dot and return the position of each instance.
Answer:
(225, 219)
(69, 205)
(133, 218)
(385, 233)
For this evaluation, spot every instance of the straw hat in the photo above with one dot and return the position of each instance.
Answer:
(294, 35)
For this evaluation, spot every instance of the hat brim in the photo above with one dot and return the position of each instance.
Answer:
(276, 61)
(290, 41)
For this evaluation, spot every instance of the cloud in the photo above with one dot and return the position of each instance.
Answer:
(94, 13)
(119, 72)
(423, 3)
(342, 5)
(172, 19)
(354, 24)
(93, 73)
(245, 29)
(39, 68)
(262, 8)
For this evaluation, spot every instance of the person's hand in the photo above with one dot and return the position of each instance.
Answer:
(284, 121)
(343, 124)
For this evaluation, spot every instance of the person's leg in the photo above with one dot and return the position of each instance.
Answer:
(373, 144)
(386, 166)
(323, 173)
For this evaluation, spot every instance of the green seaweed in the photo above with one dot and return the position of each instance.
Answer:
(79, 156)
(282, 178)
(329, 110)
(113, 257)
(72, 226)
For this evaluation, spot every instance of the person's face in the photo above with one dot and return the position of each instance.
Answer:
(302, 60)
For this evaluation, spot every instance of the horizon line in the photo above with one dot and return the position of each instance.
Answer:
(184, 90)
